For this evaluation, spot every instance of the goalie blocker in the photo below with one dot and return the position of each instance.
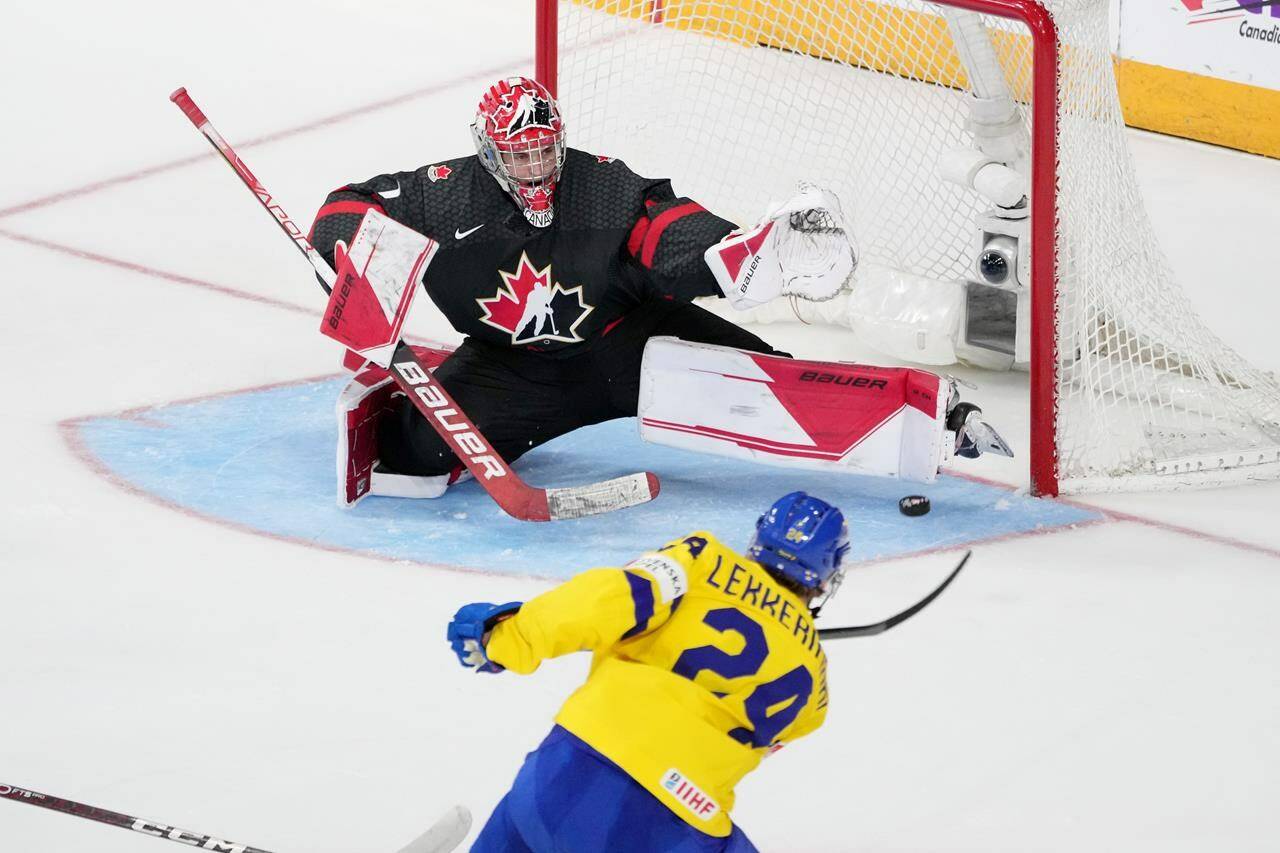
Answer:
(886, 421)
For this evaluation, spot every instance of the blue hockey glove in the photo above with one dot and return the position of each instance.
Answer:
(467, 632)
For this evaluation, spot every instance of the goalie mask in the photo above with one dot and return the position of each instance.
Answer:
(519, 137)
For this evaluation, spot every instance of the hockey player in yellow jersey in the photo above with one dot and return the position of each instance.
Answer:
(704, 661)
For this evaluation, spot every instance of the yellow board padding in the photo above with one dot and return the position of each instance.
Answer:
(889, 39)
(862, 33)
(1235, 115)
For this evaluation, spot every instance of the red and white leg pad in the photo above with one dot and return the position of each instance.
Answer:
(365, 399)
(887, 421)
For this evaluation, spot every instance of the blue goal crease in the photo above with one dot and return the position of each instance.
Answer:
(264, 459)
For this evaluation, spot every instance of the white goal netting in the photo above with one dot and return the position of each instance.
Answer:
(737, 100)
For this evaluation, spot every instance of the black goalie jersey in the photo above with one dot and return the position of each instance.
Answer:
(617, 240)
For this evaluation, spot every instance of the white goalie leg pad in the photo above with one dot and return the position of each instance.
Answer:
(365, 399)
(885, 421)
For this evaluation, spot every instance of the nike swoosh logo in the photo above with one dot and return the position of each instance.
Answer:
(459, 234)
(395, 193)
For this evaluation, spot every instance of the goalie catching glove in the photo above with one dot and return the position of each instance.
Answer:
(801, 248)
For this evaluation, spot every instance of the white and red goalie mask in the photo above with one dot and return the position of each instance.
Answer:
(519, 136)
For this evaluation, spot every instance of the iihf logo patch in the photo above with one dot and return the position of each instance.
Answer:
(689, 795)
(531, 308)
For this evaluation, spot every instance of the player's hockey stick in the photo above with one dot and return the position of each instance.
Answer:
(516, 497)
(444, 835)
(881, 627)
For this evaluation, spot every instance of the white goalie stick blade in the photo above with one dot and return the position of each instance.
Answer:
(604, 496)
(444, 835)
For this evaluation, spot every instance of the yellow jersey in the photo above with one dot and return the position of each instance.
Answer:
(702, 665)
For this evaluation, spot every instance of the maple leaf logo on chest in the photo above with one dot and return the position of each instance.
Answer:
(531, 308)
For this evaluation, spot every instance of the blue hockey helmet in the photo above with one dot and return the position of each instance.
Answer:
(803, 538)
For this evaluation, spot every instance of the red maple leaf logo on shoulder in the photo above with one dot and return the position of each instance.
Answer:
(531, 308)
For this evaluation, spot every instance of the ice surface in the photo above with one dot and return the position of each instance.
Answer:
(1092, 685)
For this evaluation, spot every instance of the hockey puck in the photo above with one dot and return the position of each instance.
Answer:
(913, 505)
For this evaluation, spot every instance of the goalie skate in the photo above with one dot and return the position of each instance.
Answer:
(973, 435)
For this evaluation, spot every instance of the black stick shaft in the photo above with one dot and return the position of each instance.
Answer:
(881, 627)
(124, 821)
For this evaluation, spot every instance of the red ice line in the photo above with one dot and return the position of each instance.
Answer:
(225, 290)
(86, 255)
(1115, 515)
(70, 427)
(336, 118)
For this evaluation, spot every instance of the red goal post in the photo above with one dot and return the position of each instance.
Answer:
(863, 95)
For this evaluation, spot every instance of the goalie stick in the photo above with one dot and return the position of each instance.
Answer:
(881, 627)
(517, 498)
(444, 835)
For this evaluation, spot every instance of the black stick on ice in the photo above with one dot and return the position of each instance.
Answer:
(881, 627)
(124, 821)
(445, 835)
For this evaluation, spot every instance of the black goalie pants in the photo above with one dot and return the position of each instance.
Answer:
(520, 399)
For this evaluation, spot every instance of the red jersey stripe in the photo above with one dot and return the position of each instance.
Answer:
(664, 220)
(337, 207)
(636, 240)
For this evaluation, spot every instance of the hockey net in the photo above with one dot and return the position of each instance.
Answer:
(737, 100)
